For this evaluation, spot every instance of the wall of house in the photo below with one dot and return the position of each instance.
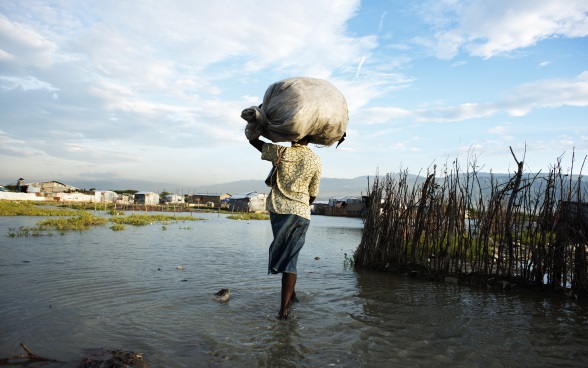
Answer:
(20, 196)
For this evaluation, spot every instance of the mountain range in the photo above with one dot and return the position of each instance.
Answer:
(329, 187)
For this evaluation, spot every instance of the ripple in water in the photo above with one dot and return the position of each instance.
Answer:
(100, 288)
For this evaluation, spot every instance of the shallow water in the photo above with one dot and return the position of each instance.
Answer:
(61, 295)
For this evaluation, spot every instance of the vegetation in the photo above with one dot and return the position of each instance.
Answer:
(143, 220)
(76, 220)
(24, 231)
(84, 221)
(118, 227)
(29, 208)
(249, 216)
(480, 231)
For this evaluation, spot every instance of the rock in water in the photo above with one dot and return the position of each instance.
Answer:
(222, 295)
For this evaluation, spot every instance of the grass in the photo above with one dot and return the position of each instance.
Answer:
(249, 216)
(78, 220)
(24, 231)
(83, 221)
(29, 208)
(143, 220)
(118, 227)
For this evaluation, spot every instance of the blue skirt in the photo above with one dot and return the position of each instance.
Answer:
(289, 234)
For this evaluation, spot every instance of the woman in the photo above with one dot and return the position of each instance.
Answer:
(288, 203)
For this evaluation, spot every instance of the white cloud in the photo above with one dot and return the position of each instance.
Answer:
(520, 101)
(28, 83)
(490, 28)
(129, 87)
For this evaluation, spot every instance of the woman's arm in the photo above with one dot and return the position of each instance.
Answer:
(257, 143)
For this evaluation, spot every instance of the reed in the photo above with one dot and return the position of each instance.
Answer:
(479, 229)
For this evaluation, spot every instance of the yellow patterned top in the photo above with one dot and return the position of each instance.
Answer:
(299, 175)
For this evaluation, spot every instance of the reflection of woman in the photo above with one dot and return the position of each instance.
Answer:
(289, 203)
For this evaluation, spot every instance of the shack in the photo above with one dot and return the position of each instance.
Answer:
(150, 198)
(341, 206)
(105, 196)
(247, 202)
(46, 188)
(207, 199)
(172, 198)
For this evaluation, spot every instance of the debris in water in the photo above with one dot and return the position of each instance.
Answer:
(222, 295)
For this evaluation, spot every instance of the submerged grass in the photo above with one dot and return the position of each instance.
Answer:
(118, 227)
(83, 221)
(142, 220)
(249, 216)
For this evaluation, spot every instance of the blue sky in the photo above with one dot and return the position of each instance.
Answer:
(153, 90)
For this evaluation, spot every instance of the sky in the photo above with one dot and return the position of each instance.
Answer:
(153, 90)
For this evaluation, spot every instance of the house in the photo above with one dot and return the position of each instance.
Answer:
(47, 188)
(207, 199)
(341, 206)
(125, 198)
(105, 196)
(21, 186)
(247, 202)
(319, 207)
(172, 198)
(150, 198)
(340, 202)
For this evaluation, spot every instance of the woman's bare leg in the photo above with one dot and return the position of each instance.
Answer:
(288, 285)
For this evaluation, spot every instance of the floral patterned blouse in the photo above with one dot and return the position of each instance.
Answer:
(299, 175)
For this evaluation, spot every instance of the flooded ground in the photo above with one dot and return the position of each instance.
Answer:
(61, 295)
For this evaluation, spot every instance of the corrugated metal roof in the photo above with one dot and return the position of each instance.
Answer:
(246, 195)
(209, 194)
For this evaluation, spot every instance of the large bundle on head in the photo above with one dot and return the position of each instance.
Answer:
(298, 107)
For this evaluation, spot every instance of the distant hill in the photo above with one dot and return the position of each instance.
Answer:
(330, 187)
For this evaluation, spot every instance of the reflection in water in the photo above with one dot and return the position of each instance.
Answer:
(439, 324)
(99, 288)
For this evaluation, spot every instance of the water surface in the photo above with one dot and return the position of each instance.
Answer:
(101, 288)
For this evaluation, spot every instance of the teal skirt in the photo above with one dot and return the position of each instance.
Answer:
(289, 235)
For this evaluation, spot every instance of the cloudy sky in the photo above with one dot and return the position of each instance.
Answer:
(153, 90)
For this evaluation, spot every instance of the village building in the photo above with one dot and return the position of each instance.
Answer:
(207, 199)
(46, 188)
(172, 198)
(125, 198)
(105, 196)
(73, 197)
(247, 202)
(149, 198)
(341, 206)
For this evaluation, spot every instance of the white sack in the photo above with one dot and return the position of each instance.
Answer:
(298, 107)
